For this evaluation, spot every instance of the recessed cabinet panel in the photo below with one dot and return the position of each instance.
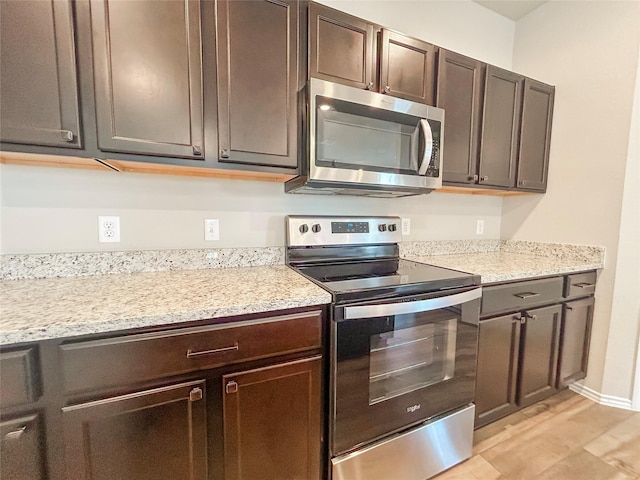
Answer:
(148, 76)
(149, 435)
(257, 81)
(406, 67)
(539, 355)
(496, 378)
(535, 137)
(17, 376)
(272, 422)
(38, 79)
(340, 47)
(500, 127)
(21, 449)
(460, 82)
(574, 341)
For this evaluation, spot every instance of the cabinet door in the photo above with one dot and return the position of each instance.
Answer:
(574, 341)
(500, 127)
(38, 79)
(539, 355)
(21, 445)
(257, 65)
(341, 47)
(148, 76)
(535, 135)
(272, 422)
(460, 90)
(157, 434)
(407, 67)
(498, 350)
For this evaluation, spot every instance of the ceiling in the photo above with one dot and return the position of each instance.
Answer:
(513, 9)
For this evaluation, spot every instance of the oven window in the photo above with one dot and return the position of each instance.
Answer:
(405, 360)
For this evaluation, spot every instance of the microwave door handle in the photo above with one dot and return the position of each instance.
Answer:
(428, 146)
(389, 309)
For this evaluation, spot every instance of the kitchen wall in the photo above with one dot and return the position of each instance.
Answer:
(55, 210)
(589, 51)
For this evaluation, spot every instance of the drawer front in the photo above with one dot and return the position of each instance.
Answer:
(520, 295)
(21, 455)
(130, 359)
(580, 284)
(19, 385)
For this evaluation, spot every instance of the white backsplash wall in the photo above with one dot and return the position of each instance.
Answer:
(50, 210)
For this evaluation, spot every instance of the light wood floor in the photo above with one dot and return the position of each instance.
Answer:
(566, 437)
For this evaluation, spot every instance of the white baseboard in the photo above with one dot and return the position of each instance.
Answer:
(602, 399)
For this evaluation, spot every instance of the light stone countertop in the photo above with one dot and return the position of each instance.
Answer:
(39, 309)
(501, 266)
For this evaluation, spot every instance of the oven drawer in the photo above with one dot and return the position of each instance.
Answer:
(520, 295)
(131, 359)
(580, 285)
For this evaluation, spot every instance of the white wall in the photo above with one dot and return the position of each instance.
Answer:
(589, 51)
(55, 210)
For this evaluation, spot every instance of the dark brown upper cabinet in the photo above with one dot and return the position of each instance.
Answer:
(535, 136)
(500, 127)
(460, 93)
(407, 67)
(348, 50)
(38, 79)
(147, 64)
(258, 78)
(341, 48)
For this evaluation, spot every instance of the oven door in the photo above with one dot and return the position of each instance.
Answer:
(367, 138)
(398, 363)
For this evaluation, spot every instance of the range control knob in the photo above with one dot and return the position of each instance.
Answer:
(316, 228)
(392, 227)
(382, 227)
(304, 228)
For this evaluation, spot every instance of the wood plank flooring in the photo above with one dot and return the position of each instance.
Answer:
(566, 437)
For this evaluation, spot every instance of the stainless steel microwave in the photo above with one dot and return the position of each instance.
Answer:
(365, 143)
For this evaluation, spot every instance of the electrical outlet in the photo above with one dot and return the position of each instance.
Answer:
(406, 226)
(479, 227)
(108, 229)
(211, 229)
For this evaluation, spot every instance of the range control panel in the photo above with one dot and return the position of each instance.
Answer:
(302, 230)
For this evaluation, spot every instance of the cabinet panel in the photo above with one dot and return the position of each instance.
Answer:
(498, 350)
(521, 295)
(148, 76)
(500, 127)
(151, 435)
(460, 92)
(272, 422)
(257, 81)
(535, 135)
(17, 377)
(580, 284)
(539, 355)
(574, 341)
(341, 47)
(38, 78)
(21, 449)
(407, 67)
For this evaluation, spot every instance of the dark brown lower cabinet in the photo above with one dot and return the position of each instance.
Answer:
(272, 422)
(496, 380)
(539, 354)
(574, 341)
(157, 434)
(21, 449)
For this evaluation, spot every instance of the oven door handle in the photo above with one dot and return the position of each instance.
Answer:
(388, 309)
(428, 146)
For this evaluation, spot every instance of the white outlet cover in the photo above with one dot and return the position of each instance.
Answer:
(211, 229)
(108, 229)
(406, 226)
(479, 227)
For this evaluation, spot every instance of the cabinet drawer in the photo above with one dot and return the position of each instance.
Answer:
(580, 284)
(19, 385)
(21, 455)
(136, 358)
(520, 295)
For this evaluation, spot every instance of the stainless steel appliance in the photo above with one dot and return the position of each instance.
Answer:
(403, 348)
(366, 143)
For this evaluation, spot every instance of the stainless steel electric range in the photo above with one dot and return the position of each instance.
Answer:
(403, 347)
